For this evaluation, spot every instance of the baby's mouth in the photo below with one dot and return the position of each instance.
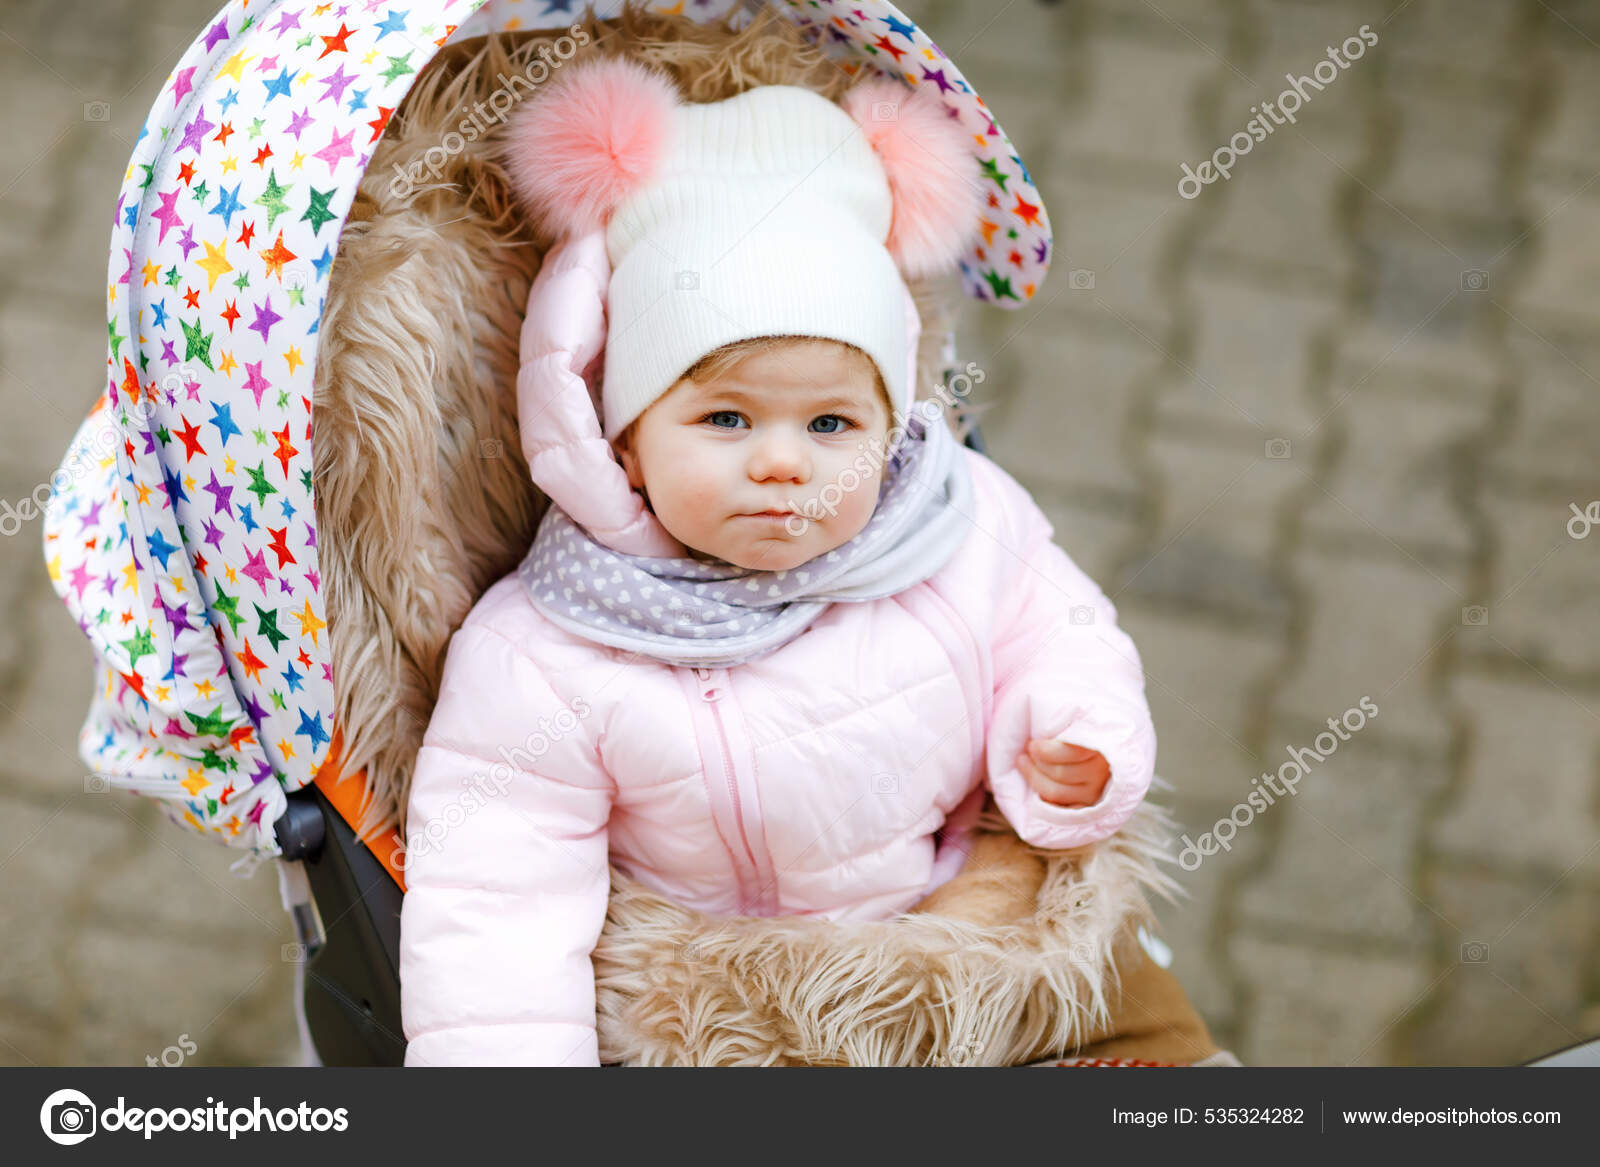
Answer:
(778, 519)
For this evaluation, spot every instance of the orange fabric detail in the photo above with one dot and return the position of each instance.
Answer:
(345, 792)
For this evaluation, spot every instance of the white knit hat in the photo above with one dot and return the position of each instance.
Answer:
(775, 212)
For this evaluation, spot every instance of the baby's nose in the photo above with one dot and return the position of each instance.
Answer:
(780, 457)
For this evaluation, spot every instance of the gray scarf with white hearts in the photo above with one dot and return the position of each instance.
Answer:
(712, 613)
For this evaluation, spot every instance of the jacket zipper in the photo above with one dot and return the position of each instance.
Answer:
(712, 695)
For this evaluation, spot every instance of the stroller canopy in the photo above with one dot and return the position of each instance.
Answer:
(181, 531)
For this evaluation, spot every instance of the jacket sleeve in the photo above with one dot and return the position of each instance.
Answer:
(1063, 669)
(507, 869)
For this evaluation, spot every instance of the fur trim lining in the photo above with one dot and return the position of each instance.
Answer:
(599, 134)
(932, 170)
(677, 987)
(422, 493)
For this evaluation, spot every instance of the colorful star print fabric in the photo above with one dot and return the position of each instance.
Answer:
(181, 531)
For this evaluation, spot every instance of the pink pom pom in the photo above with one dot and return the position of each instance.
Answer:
(932, 170)
(600, 133)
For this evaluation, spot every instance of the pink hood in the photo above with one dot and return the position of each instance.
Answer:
(558, 402)
(810, 781)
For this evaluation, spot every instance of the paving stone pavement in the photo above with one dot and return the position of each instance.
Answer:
(1317, 431)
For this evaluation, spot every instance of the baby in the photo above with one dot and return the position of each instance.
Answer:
(779, 634)
(758, 422)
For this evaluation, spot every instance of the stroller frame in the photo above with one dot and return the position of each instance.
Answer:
(344, 893)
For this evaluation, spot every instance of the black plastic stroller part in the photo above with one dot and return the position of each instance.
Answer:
(974, 440)
(300, 829)
(352, 981)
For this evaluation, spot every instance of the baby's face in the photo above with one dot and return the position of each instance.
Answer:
(737, 467)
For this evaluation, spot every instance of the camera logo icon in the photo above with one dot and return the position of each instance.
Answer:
(1081, 614)
(96, 111)
(1474, 952)
(1475, 616)
(1279, 448)
(690, 952)
(1474, 280)
(1080, 279)
(68, 1117)
(686, 281)
(965, 1052)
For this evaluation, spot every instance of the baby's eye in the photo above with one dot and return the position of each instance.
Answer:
(725, 419)
(830, 423)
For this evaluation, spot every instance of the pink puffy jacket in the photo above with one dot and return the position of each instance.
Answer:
(809, 781)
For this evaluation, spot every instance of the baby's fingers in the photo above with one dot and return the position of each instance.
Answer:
(1088, 768)
(1049, 751)
(1052, 791)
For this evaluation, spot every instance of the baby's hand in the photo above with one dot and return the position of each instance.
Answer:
(1064, 774)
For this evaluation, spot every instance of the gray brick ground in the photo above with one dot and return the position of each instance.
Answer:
(1332, 1006)
(1343, 872)
(1439, 424)
(1374, 628)
(1080, 449)
(1197, 927)
(1248, 367)
(1438, 433)
(1212, 544)
(1527, 791)
(1129, 297)
(1541, 590)
(1203, 679)
(1398, 476)
(1511, 975)
(1551, 435)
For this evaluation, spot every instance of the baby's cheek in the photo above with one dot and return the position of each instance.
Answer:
(685, 481)
(701, 494)
(857, 506)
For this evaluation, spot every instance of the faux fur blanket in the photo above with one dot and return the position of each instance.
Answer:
(1013, 964)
